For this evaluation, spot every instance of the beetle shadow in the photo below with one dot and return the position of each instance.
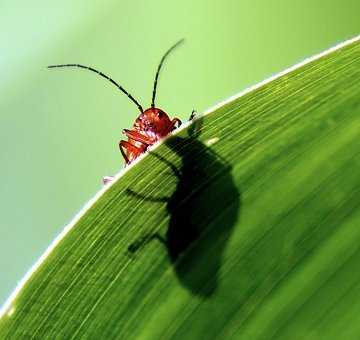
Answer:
(203, 209)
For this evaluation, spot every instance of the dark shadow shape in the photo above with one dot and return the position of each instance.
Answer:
(204, 182)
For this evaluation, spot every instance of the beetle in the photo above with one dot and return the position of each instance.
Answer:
(150, 126)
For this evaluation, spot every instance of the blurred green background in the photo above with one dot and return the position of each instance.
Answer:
(59, 129)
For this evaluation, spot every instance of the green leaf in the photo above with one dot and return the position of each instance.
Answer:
(242, 225)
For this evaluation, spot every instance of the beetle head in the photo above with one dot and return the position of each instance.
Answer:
(155, 122)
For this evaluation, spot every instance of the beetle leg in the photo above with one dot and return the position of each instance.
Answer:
(137, 136)
(193, 114)
(123, 154)
(176, 121)
(129, 147)
(107, 179)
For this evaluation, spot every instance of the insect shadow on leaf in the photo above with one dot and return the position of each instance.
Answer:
(203, 209)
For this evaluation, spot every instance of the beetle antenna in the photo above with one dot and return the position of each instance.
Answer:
(104, 76)
(159, 68)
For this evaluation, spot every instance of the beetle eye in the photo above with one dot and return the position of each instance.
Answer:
(160, 114)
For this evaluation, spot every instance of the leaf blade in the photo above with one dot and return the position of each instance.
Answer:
(270, 193)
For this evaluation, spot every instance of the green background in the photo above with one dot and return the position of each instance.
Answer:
(59, 129)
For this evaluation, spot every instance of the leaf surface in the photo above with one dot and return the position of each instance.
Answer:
(242, 225)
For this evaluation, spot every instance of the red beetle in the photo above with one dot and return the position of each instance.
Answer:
(152, 124)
